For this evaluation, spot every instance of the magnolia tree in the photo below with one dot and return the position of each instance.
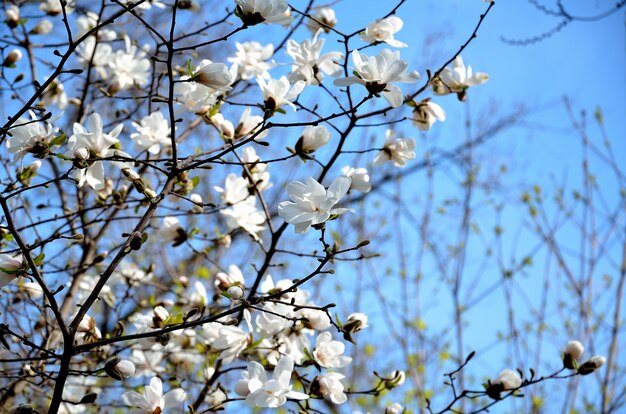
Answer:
(174, 194)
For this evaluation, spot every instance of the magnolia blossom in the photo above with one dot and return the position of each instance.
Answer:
(129, 68)
(12, 58)
(224, 126)
(457, 79)
(426, 113)
(30, 136)
(313, 138)
(377, 72)
(152, 400)
(215, 76)
(329, 353)
(394, 408)
(249, 125)
(172, 231)
(309, 65)
(54, 7)
(54, 95)
(245, 215)
(233, 277)
(382, 30)
(594, 363)
(311, 203)
(43, 27)
(12, 14)
(263, 392)
(253, 12)
(119, 369)
(258, 170)
(573, 351)
(152, 131)
(325, 19)
(10, 268)
(232, 340)
(509, 379)
(360, 178)
(87, 145)
(279, 92)
(235, 189)
(330, 387)
(90, 20)
(252, 60)
(98, 55)
(355, 322)
(396, 150)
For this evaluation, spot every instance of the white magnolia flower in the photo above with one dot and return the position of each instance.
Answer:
(99, 54)
(10, 268)
(54, 7)
(224, 126)
(382, 30)
(89, 21)
(152, 131)
(426, 113)
(194, 96)
(314, 137)
(119, 369)
(396, 150)
(235, 189)
(360, 178)
(590, 366)
(394, 408)
(152, 400)
(216, 76)
(30, 136)
(573, 351)
(457, 79)
(87, 330)
(147, 5)
(279, 92)
(54, 95)
(509, 379)
(355, 322)
(172, 231)
(308, 63)
(233, 277)
(263, 392)
(12, 58)
(232, 340)
(331, 388)
(31, 288)
(12, 14)
(249, 125)
(129, 68)
(252, 12)
(245, 215)
(377, 72)
(252, 60)
(311, 203)
(326, 18)
(258, 170)
(43, 27)
(86, 145)
(329, 353)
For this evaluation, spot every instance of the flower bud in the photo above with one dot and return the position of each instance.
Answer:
(43, 27)
(159, 315)
(594, 363)
(235, 292)
(395, 379)
(23, 409)
(12, 58)
(573, 351)
(506, 381)
(12, 14)
(312, 139)
(119, 369)
(355, 322)
(394, 408)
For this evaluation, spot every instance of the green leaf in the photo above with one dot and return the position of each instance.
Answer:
(60, 140)
(39, 259)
